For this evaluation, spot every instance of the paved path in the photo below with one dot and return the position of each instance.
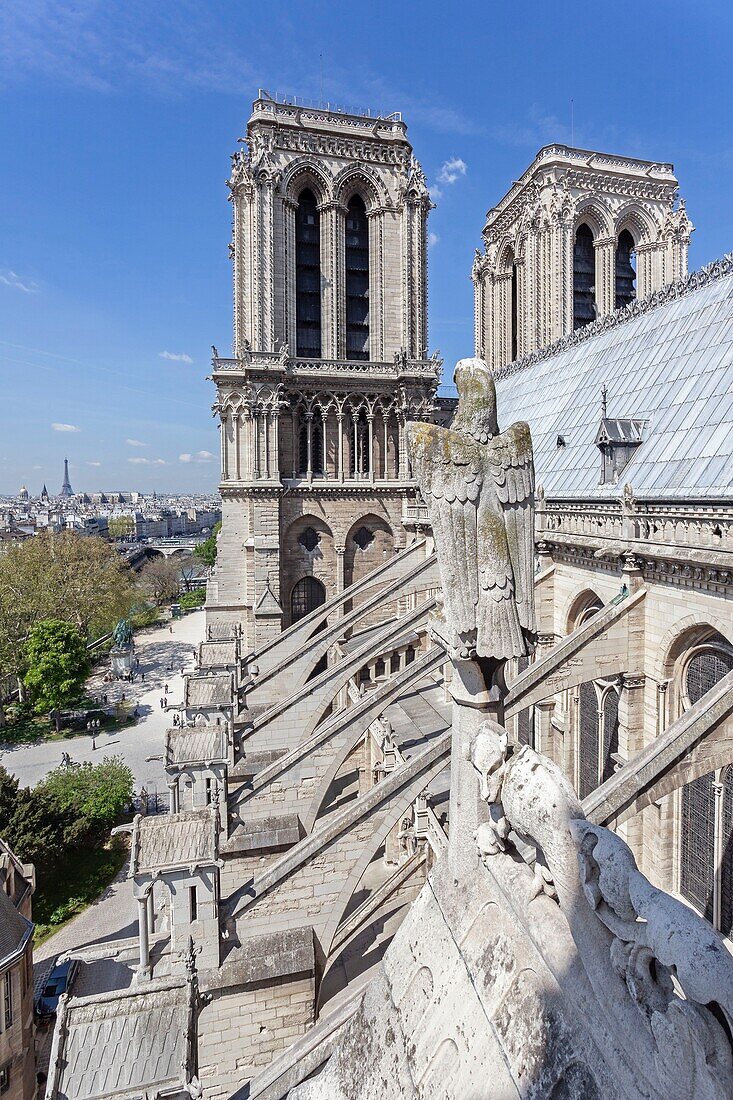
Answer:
(157, 650)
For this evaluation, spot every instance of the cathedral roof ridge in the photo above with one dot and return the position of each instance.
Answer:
(696, 280)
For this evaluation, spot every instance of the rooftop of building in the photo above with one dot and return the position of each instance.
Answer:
(211, 690)
(214, 653)
(667, 360)
(187, 839)
(195, 744)
(307, 114)
(15, 930)
(585, 160)
(124, 1045)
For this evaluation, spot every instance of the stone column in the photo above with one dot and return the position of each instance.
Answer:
(370, 444)
(151, 911)
(309, 431)
(340, 434)
(605, 251)
(237, 456)
(340, 551)
(289, 207)
(143, 930)
(544, 730)
(173, 795)
(473, 703)
(630, 744)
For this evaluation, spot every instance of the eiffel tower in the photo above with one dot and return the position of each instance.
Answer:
(66, 490)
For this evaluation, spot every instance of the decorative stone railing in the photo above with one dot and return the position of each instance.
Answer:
(414, 513)
(303, 367)
(700, 525)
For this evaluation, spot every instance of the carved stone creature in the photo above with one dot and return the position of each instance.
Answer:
(478, 486)
(661, 976)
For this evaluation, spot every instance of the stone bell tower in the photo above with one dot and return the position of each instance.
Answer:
(329, 360)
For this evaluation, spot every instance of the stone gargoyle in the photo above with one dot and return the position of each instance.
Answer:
(661, 976)
(478, 485)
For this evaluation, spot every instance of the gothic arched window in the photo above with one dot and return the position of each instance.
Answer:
(726, 866)
(525, 733)
(610, 734)
(584, 277)
(307, 277)
(588, 740)
(704, 816)
(307, 595)
(625, 274)
(360, 462)
(514, 313)
(316, 432)
(357, 280)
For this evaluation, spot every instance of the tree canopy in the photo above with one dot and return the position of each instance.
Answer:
(71, 809)
(207, 550)
(160, 578)
(79, 580)
(58, 663)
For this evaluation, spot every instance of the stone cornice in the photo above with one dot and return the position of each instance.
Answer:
(718, 269)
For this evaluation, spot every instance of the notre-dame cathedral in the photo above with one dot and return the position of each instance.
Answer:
(317, 918)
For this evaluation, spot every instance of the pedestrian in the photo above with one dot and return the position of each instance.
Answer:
(122, 697)
(162, 704)
(94, 741)
(136, 714)
(142, 675)
(166, 689)
(137, 662)
(171, 629)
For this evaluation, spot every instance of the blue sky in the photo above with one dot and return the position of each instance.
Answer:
(117, 120)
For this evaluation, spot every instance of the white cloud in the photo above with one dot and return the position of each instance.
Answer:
(135, 443)
(176, 357)
(451, 170)
(65, 428)
(94, 463)
(148, 461)
(433, 239)
(200, 456)
(17, 282)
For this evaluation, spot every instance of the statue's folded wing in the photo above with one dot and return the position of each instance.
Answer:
(512, 471)
(448, 470)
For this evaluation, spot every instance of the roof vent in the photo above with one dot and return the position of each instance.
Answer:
(617, 439)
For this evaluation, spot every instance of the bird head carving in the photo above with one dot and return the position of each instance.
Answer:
(476, 412)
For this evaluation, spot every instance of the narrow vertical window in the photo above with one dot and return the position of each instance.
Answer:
(625, 274)
(209, 792)
(193, 904)
(584, 277)
(514, 313)
(610, 735)
(357, 280)
(588, 740)
(307, 277)
(8, 1000)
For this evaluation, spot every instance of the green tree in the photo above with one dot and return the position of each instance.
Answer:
(90, 799)
(207, 550)
(80, 580)
(37, 828)
(58, 664)
(121, 527)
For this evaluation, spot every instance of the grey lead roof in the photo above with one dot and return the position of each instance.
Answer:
(672, 365)
(123, 1044)
(173, 840)
(14, 928)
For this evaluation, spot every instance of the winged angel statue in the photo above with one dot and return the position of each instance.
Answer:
(478, 485)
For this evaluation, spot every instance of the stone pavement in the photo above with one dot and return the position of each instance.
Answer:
(157, 650)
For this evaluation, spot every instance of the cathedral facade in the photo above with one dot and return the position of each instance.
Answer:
(329, 361)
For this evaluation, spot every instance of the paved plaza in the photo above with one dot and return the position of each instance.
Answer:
(162, 653)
